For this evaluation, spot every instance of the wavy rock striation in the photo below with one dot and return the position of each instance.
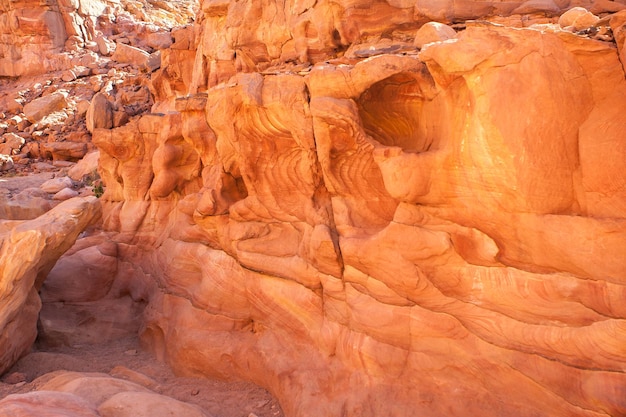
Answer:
(366, 228)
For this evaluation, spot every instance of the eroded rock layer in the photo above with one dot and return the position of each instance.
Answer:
(366, 228)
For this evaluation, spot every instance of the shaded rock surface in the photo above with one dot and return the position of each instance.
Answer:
(28, 251)
(95, 373)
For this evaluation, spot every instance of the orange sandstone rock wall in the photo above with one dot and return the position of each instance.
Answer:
(370, 229)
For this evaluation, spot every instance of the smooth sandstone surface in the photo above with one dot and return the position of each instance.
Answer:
(443, 229)
(367, 214)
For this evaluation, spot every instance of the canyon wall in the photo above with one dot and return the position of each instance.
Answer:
(366, 222)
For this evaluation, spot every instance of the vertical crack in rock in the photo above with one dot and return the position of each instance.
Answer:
(325, 197)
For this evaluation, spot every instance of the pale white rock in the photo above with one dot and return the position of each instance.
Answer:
(92, 7)
(6, 162)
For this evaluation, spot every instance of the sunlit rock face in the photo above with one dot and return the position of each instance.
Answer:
(45, 36)
(386, 230)
(28, 32)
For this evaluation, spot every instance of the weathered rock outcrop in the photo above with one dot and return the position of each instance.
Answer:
(34, 35)
(369, 229)
(28, 251)
(73, 394)
(362, 213)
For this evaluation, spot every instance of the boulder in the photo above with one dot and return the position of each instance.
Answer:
(433, 32)
(85, 167)
(577, 18)
(65, 194)
(99, 114)
(64, 151)
(79, 323)
(6, 162)
(127, 54)
(46, 404)
(12, 144)
(43, 106)
(105, 46)
(11, 105)
(27, 204)
(144, 404)
(55, 185)
(537, 6)
(42, 167)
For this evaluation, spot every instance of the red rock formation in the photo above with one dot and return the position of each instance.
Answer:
(35, 37)
(28, 251)
(365, 214)
(387, 231)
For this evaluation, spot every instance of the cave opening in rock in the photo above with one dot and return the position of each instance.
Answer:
(392, 111)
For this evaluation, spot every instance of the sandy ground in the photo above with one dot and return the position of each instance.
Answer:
(124, 359)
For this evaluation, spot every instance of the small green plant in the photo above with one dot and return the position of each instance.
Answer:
(98, 189)
(93, 179)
